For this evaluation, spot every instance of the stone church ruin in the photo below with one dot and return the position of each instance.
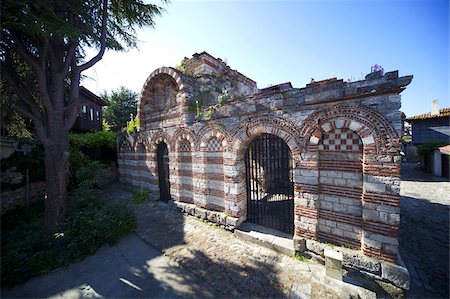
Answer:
(321, 163)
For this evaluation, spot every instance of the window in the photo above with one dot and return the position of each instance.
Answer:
(91, 114)
(97, 115)
(84, 110)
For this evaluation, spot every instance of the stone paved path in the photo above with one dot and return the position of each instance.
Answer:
(424, 232)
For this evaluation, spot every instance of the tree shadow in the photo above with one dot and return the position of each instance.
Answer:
(164, 227)
(424, 246)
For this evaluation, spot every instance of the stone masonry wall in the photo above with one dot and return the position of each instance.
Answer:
(344, 139)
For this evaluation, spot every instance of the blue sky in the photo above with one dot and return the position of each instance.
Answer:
(274, 42)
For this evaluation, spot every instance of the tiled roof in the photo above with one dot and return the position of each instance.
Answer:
(442, 112)
(445, 149)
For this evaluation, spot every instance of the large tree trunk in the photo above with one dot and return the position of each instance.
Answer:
(56, 172)
(56, 161)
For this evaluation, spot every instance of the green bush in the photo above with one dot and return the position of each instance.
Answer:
(95, 146)
(90, 224)
(140, 196)
(426, 148)
(93, 140)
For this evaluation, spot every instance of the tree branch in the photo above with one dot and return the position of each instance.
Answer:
(39, 67)
(74, 98)
(99, 56)
(69, 57)
(38, 125)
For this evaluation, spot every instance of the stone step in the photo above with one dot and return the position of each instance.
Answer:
(266, 237)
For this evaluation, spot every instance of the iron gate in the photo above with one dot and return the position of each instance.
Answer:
(163, 171)
(270, 191)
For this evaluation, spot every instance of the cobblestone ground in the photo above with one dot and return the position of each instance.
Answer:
(424, 232)
(231, 266)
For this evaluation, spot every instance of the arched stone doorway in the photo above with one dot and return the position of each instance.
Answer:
(163, 171)
(269, 183)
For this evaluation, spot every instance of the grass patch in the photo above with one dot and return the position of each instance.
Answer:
(89, 225)
(140, 196)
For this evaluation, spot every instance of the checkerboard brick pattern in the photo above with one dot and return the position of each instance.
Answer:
(214, 145)
(341, 140)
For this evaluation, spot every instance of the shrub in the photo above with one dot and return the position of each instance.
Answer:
(93, 140)
(140, 196)
(97, 146)
(90, 224)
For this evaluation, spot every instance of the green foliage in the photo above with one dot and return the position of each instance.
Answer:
(121, 103)
(299, 257)
(407, 138)
(92, 174)
(89, 225)
(209, 113)
(140, 196)
(133, 125)
(426, 148)
(33, 161)
(86, 147)
(99, 139)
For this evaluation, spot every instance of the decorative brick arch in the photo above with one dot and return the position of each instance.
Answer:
(379, 140)
(211, 131)
(184, 133)
(159, 137)
(375, 131)
(141, 140)
(125, 145)
(145, 94)
(252, 127)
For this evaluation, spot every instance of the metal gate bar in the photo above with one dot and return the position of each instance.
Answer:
(269, 179)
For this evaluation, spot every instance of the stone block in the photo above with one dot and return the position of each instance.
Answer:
(325, 180)
(340, 182)
(388, 209)
(384, 239)
(232, 221)
(396, 274)
(359, 261)
(200, 213)
(371, 215)
(340, 208)
(374, 187)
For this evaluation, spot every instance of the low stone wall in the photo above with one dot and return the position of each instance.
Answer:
(223, 220)
(16, 198)
(397, 275)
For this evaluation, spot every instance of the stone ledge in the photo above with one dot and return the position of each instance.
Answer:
(222, 219)
(397, 275)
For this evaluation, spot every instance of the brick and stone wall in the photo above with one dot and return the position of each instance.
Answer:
(11, 199)
(344, 139)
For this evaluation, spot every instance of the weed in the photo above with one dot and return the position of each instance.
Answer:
(140, 196)
(300, 257)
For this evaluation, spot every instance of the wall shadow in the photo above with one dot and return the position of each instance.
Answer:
(424, 246)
